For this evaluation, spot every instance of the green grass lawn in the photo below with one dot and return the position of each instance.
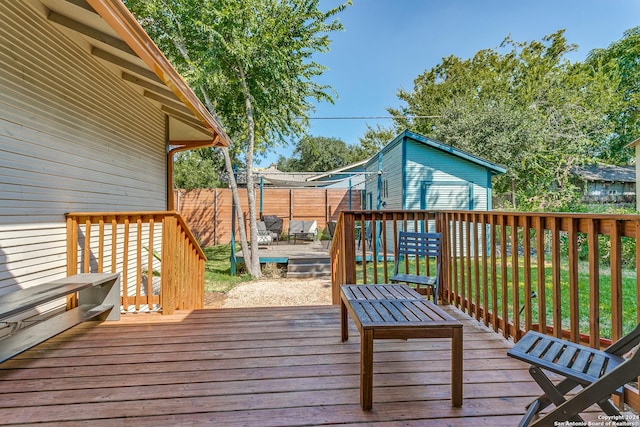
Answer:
(629, 292)
(217, 275)
(219, 279)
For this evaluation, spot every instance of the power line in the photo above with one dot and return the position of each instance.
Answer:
(370, 117)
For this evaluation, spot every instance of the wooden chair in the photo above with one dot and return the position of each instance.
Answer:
(600, 373)
(428, 245)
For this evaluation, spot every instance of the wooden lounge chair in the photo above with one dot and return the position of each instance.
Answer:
(419, 245)
(600, 373)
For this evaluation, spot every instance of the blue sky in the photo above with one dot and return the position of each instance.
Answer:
(388, 43)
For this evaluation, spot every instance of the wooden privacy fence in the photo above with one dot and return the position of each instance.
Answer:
(160, 263)
(569, 275)
(208, 211)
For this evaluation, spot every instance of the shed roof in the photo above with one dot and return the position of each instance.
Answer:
(493, 167)
(107, 30)
(606, 173)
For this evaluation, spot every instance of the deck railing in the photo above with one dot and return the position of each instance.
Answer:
(568, 275)
(159, 260)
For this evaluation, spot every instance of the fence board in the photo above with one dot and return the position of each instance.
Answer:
(207, 212)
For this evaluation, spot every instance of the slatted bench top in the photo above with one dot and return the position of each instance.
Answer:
(98, 298)
(24, 299)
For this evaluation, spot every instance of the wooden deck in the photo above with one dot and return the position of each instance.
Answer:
(281, 252)
(255, 367)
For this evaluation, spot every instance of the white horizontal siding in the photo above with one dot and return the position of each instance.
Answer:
(73, 137)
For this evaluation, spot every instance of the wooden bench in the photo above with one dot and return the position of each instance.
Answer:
(98, 299)
(600, 373)
(397, 312)
(427, 245)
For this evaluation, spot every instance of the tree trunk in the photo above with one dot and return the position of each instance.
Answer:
(236, 202)
(254, 268)
(248, 256)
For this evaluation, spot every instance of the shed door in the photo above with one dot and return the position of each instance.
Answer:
(446, 196)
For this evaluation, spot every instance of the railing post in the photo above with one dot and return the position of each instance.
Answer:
(349, 250)
(442, 228)
(72, 256)
(167, 283)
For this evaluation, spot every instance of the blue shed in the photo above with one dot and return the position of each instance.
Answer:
(416, 172)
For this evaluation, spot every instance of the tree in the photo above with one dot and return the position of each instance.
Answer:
(524, 106)
(252, 64)
(197, 169)
(317, 154)
(621, 62)
(374, 140)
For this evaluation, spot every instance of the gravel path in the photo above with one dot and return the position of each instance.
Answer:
(274, 293)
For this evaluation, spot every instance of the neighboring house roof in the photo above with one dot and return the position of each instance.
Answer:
(606, 173)
(107, 30)
(493, 167)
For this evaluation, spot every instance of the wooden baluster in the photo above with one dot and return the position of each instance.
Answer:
(460, 252)
(150, 264)
(114, 244)
(86, 251)
(616, 281)
(101, 245)
(138, 263)
(374, 247)
(494, 272)
(385, 267)
(542, 289)
(467, 231)
(515, 279)
(555, 271)
(476, 265)
(486, 246)
(125, 265)
(526, 243)
(504, 273)
(594, 282)
(574, 301)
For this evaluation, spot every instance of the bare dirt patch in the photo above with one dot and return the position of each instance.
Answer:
(273, 293)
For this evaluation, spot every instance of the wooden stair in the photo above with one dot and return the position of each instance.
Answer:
(306, 267)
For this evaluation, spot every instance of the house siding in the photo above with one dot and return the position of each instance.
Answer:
(392, 173)
(451, 182)
(73, 137)
(371, 183)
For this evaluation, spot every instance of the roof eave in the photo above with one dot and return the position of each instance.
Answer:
(632, 143)
(115, 13)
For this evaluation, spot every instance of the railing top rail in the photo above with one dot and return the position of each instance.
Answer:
(627, 217)
(95, 215)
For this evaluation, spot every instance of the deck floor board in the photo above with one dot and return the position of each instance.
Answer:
(256, 367)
